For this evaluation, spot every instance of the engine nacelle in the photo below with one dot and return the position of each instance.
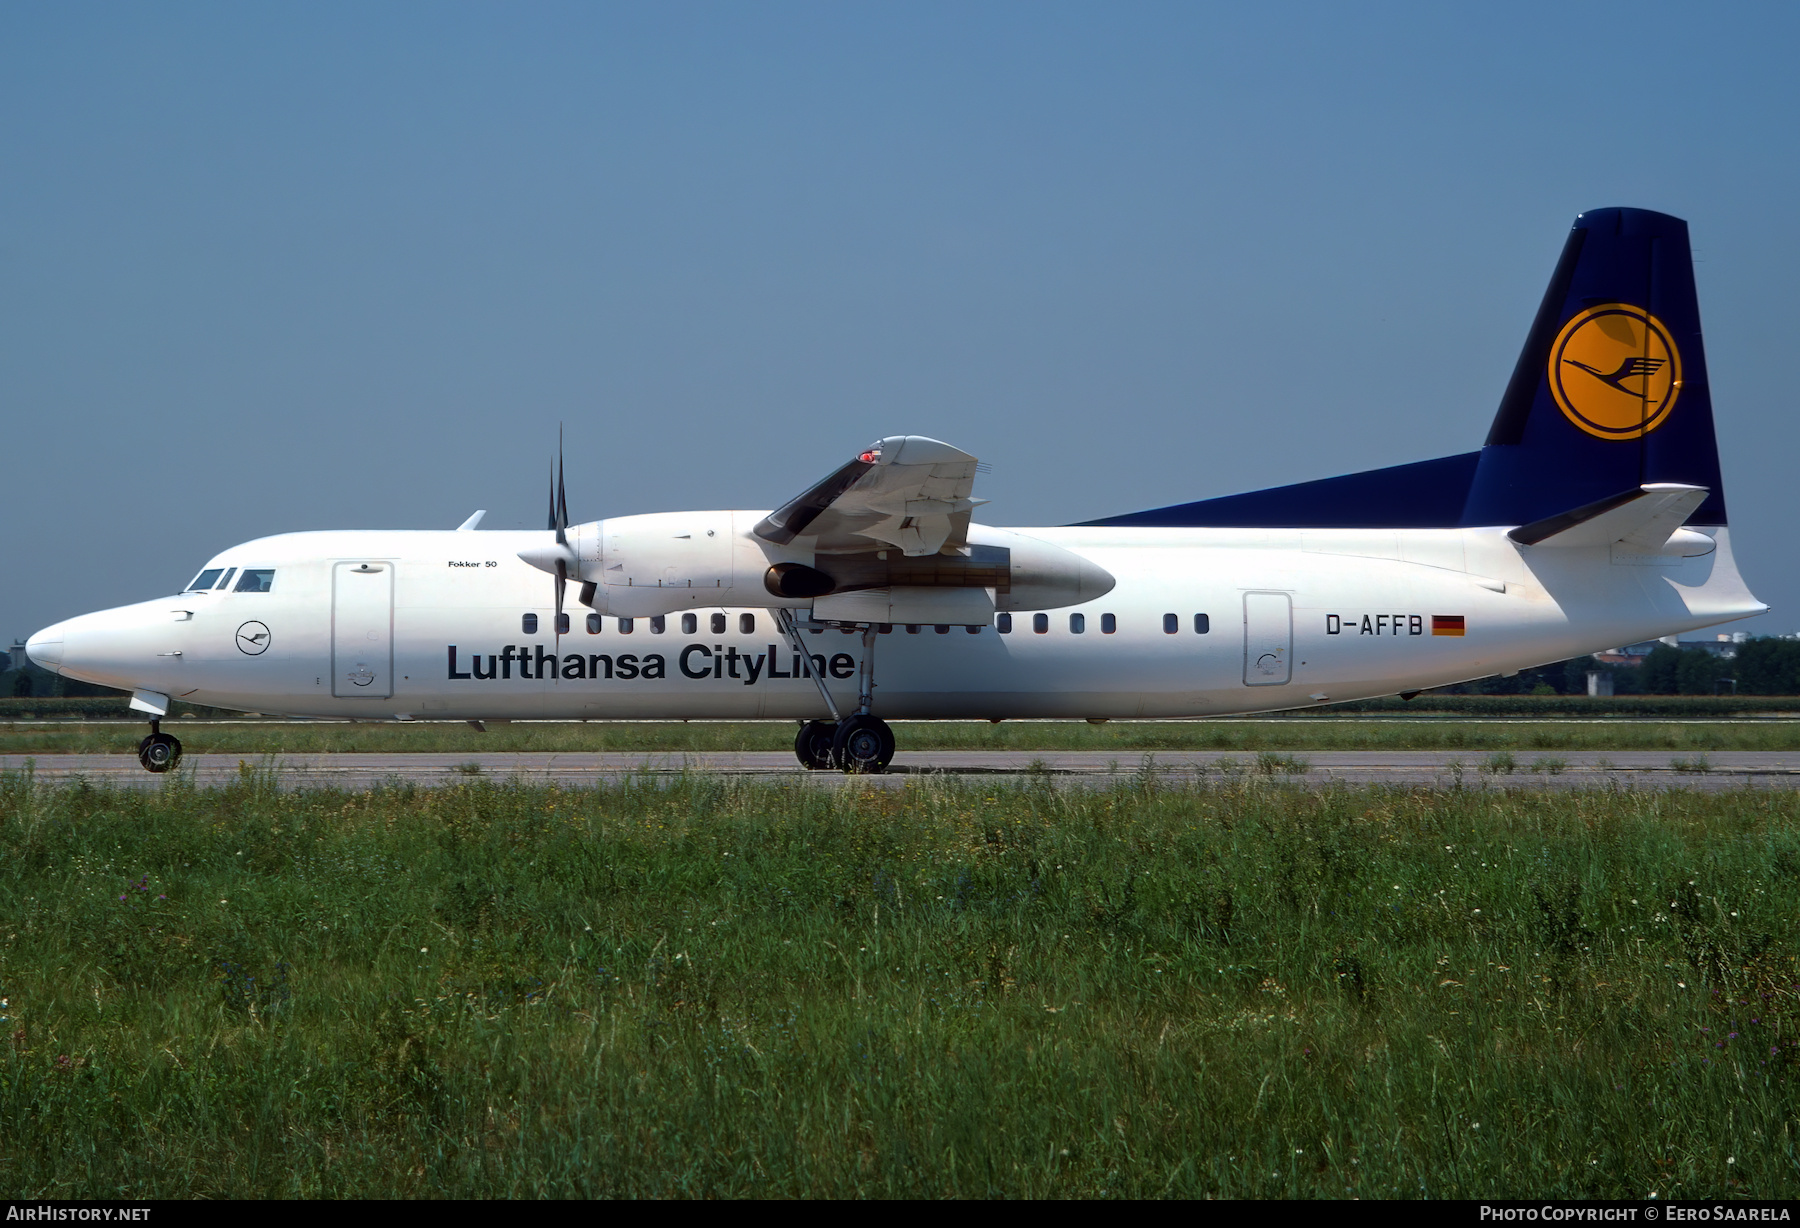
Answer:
(663, 562)
(1043, 576)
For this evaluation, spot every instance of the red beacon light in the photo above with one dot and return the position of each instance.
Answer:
(869, 458)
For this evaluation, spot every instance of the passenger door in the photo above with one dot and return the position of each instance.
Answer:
(362, 630)
(1268, 639)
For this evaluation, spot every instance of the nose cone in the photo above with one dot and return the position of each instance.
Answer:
(130, 647)
(46, 648)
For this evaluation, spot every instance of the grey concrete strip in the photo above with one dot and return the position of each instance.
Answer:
(1618, 769)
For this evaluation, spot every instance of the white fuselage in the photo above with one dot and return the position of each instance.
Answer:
(405, 624)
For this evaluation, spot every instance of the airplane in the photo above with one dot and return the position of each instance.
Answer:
(1593, 515)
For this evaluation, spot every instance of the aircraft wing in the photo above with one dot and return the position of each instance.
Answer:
(906, 492)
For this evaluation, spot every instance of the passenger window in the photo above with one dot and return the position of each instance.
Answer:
(625, 626)
(689, 624)
(527, 624)
(1108, 624)
(593, 624)
(718, 624)
(1202, 624)
(256, 580)
(1040, 623)
(562, 624)
(1171, 624)
(205, 580)
(941, 628)
(746, 624)
(972, 629)
(884, 628)
(1003, 623)
(1077, 624)
(912, 628)
(658, 624)
(226, 582)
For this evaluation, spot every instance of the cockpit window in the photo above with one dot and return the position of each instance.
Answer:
(205, 579)
(255, 580)
(225, 584)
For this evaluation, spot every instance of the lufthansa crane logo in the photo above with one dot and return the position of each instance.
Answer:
(1615, 372)
(253, 639)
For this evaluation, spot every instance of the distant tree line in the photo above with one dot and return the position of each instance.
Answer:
(34, 682)
(1763, 666)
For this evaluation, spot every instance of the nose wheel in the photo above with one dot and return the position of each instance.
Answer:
(160, 751)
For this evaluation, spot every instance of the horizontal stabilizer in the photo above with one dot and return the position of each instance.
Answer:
(1643, 520)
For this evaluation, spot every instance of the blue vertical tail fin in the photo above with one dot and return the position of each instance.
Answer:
(1609, 395)
(1610, 391)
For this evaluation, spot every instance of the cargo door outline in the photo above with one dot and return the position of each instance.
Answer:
(1268, 639)
(362, 630)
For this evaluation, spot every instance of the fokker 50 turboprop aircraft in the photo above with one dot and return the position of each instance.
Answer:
(1592, 516)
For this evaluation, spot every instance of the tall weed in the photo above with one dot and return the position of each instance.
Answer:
(717, 987)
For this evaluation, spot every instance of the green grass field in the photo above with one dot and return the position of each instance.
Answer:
(739, 989)
(256, 738)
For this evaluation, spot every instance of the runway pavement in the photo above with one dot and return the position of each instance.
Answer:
(1443, 769)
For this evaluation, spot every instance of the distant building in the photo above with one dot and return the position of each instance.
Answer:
(1724, 645)
(1631, 655)
(16, 658)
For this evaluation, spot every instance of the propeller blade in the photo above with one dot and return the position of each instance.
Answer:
(562, 498)
(559, 523)
(562, 581)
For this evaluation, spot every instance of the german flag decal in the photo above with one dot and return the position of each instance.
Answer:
(1446, 624)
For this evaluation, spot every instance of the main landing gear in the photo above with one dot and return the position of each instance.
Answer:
(160, 751)
(863, 743)
(812, 745)
(859, 743)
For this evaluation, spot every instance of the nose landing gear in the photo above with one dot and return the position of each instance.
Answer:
(160, 751)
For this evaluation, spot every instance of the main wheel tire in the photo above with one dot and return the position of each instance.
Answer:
(812, 745)
(863, 744)
(159, 752)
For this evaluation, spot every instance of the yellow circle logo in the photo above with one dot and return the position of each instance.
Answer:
(1615, 372)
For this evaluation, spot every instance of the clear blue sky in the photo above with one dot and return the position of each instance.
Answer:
(266, 268)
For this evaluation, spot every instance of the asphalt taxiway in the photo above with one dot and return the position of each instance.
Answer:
(1091, 769)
